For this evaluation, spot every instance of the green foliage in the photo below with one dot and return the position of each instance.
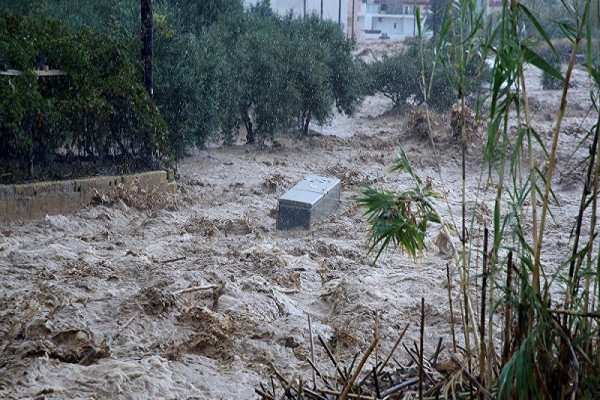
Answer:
(551, 329)
(398, 77)
(399, 218)
(517, 373)
(218, 67)
(122, 16)
(553, 16)
(436, 19)
(323, 72)
(288, 72)
(186, 88)
(197, 16)
(267, 95)
(549, 82)
(98, 109)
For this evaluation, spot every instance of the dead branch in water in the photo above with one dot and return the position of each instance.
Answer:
(424, 377)
(195, 289)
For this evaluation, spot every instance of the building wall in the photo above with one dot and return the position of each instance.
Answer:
(397, 25)
(373, 20)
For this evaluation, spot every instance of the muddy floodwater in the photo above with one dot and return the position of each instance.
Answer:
(196, 294)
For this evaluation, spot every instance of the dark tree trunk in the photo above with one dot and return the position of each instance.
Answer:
(306, 123)
(438, 10)
(250, 137)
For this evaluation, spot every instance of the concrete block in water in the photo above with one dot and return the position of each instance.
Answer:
(312, 199)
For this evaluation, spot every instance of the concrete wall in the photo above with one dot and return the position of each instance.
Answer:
(36, 200)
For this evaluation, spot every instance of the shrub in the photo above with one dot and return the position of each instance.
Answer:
(563, 52)
(323, 72)
(216, 66)
(548, 81)
(398, 77)
(98, 110)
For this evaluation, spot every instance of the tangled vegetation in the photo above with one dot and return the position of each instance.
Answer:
(94, 110)
(549, 313)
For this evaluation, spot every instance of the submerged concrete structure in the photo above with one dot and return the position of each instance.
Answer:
(312, 199)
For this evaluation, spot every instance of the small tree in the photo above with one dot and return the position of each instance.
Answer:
(323, 74)
(396, 77)
(549, 82)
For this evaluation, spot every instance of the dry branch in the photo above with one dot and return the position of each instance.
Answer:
(312, 352)
(473, 380)
(195, 289)
(393, 349)
(359, 368)
(332, 358)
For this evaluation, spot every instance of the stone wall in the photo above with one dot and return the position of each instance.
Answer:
(36, 200)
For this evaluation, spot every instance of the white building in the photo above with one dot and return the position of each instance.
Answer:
(334, 10)
(376, 20)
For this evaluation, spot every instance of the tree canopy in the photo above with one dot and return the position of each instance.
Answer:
(219, 67)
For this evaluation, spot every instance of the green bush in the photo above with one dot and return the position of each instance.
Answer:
(280, 73)
(98, 110)
(398, 77)
(323, 73)
(563, 52)
(548, 81)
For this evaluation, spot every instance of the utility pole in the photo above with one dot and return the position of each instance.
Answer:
(321, 9)
(304, 15)
(146, 14)
(415, 18)
(340, 14)
(353, 1)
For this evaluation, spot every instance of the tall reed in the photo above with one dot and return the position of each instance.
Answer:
(545, 351)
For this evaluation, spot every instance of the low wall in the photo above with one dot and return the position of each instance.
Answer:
(36, 200)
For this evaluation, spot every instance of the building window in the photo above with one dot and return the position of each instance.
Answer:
(394, 25)
(406, 10)
(379, 19)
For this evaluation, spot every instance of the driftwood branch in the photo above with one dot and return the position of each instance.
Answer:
(264, 395)
(312, 353)
(576, 313)
(172, 260)
(195, 289)
(332, 358)
(319, 374)
(350, 395)
(393, 349)
(359, 368)
(122, 328)
(399, 387)
(473, 380)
